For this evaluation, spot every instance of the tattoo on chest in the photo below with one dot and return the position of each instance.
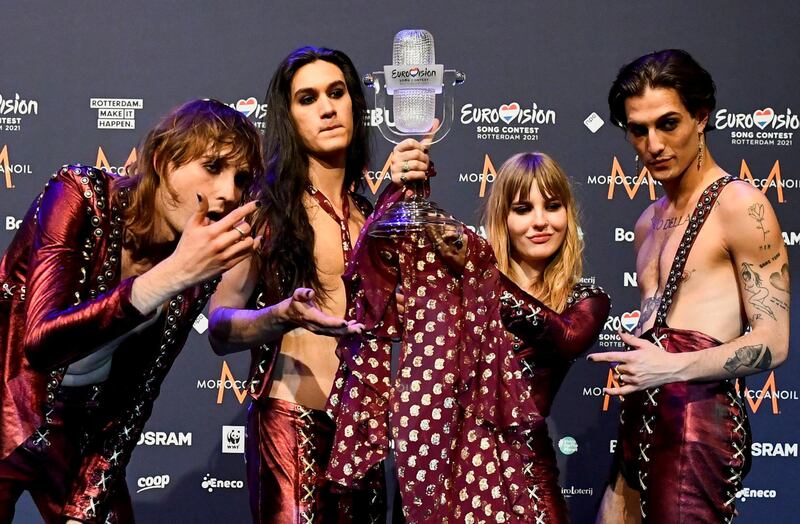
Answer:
(756, 212)
(660, 224)
(755, 289)
(756, 357)
(649, 306)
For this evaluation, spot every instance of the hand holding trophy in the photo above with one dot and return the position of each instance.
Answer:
(413, 81)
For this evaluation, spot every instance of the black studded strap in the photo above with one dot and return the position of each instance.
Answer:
(701, 211)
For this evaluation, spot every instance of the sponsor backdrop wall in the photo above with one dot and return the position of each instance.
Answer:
(83, 81)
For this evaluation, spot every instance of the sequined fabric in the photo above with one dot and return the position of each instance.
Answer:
(62, 298)
(287, 450)
(459, 409)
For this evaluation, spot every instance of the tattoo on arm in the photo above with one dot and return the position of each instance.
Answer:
(780, 280)
(649, 306)
(754, 286)
(756, 212)
(757, 357)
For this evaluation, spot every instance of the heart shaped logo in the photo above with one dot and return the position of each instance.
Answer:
(763, 117)
(630, 320)
(414, 71)
(509, 112)
(248, 106)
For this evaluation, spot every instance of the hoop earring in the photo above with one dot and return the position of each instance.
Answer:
(701, 150)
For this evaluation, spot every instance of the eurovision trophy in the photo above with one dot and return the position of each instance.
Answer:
(413, 81)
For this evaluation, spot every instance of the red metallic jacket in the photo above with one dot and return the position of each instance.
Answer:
(60, 299)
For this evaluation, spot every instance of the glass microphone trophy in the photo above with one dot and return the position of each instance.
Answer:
(413, 81)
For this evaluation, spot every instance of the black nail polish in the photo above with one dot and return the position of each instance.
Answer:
(199, 198)
(258, 203)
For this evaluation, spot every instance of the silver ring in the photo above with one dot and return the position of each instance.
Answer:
(242, 233)
(405, 168)
(459, 242)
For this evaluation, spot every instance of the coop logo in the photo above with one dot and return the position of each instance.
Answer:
(153, 482)
(233, 439)
(164, 438)
(116, 113)
(749, 493)
(508, 121)
(9, 170)
(226, 382)
(210, 483)
(774, 449)
(761, 127)
(572, 491)
(102, 162)
(769, 392)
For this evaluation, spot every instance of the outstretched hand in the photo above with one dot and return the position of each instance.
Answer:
(301, 310)
(645, 366)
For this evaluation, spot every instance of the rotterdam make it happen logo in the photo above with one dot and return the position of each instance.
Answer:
(116, 113)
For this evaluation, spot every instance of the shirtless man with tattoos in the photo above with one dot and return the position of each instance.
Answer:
(714, 282)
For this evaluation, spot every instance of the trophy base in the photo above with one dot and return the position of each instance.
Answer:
(413, 215)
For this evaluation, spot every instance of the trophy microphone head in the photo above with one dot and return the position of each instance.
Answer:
(414, 109)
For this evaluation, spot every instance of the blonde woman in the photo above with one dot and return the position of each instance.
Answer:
(532, 224)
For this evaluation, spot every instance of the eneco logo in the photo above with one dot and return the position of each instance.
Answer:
(210, 483)
(154, 482)
(508, 121)
(749, 493)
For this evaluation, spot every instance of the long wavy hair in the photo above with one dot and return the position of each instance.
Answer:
(287, 260)
(516, 177)
(183, 135)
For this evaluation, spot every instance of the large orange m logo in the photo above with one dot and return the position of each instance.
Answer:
(103, 163)
(226, 377)
(618, 174)
(6, 164)
(758, 398)
(773, 177)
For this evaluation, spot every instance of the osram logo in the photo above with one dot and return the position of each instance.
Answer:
(163, 438)
(154, 482)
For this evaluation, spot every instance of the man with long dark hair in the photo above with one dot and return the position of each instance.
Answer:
(286, 305)
(711, 263)
(100, 287)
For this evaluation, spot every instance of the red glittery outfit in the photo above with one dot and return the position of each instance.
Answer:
(463, 415)
(288, 447)
(685, 446)
(60, 300)
(547, 342)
